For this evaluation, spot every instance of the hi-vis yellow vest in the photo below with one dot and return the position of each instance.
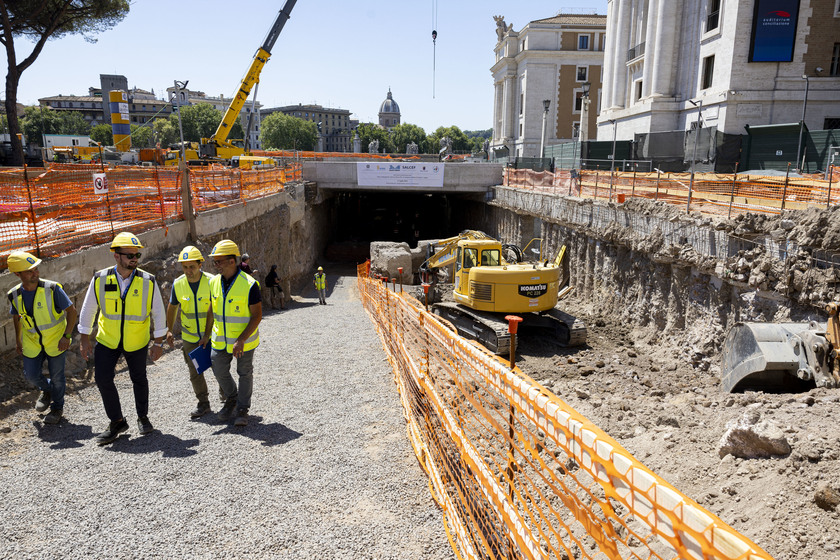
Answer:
(126, 320)
(44, 329)
(193, 306)
(320, 281)
(231, 312)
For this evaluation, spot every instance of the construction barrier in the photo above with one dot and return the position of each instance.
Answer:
(709, 192)
(518, 473)
(55, 211)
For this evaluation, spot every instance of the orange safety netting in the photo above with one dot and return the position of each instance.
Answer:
(337, 155)
(518, 472)
(56, 211)
(713, 193)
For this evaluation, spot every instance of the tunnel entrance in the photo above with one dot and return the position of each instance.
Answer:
(358, 218)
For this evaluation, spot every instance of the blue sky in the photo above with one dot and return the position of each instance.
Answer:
(342, 54)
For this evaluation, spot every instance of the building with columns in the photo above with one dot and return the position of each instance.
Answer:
(732, 62)
(548, 59)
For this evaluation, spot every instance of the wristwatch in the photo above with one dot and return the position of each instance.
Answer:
(158, 344)
(68, 336)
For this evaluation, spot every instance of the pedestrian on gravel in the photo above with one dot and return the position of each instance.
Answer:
(191, 294)
(44, 318)
(236, 305)
(321, 285)
(275, 289)
(128, 301)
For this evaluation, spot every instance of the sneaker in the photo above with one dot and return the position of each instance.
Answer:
(115, 428)
(43, 402)
(241, 417)
(144, 425)
(227, 411)
(54, 417)
(202, 409)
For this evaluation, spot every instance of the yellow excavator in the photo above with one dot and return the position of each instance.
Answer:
(487, 287)
(218, 147)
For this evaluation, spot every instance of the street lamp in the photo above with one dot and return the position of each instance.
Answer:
(584, 112)
(546, 105)
(802, 125)
(699, 105)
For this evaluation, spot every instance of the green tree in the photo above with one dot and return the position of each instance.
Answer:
(39, 20)
(72, 122)
(404, 134)
(102, 133)
(369, 132)
(285, 132)
(37, 121)
(166, 131)
(460, 142)
(142, 136)
(199, 121)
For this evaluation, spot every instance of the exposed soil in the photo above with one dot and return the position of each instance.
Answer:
(662, 401)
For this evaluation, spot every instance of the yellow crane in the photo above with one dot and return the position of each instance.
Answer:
(218, 146)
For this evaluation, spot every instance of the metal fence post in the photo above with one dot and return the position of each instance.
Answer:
(596, 185)
(658, 172)
(32, 211)
(732, 197)
(828, 197)
(186, 200)
(784, 191)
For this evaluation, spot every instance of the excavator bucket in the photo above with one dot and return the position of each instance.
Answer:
(774, 356)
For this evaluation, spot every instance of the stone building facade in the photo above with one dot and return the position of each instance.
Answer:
(334, 124)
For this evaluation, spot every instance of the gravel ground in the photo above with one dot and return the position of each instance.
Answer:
(324, 469)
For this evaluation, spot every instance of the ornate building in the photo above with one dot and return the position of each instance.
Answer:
(389, 112)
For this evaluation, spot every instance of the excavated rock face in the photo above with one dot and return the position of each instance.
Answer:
(387, 257)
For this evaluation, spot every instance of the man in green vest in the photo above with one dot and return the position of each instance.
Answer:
(321, 285)
(236, 304)
(128, 302)
(44, 318)
(191, 294)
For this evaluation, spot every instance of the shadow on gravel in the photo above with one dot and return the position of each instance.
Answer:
(65, 435)
(268, 434)
(171, 446)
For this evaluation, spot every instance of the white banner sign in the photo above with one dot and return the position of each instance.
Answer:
(386, 174)
(100, 184)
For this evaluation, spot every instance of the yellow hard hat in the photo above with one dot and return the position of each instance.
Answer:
(225, 247)
(321, 268)
(126, 239)
(190, 253)
(21, 261)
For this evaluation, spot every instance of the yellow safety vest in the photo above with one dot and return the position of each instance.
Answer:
(44, 329)
(193, 306)
(231, 312)
(320, 281)
(127, 318)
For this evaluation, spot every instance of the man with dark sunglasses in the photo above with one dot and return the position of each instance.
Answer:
(128, 300)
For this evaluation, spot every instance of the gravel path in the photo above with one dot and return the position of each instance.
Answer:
(324, 470)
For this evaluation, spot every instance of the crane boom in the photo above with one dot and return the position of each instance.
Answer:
(252, 76)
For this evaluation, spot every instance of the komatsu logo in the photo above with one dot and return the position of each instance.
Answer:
(533, 290)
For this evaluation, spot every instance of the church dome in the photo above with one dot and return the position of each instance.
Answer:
(389, 105)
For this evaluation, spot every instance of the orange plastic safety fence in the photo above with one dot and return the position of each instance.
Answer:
(711, 193)
(517, 471)
(54, 211)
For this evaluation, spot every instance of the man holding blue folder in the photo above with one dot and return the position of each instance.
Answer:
(191, 294)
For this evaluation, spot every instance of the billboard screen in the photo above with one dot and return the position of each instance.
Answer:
(774, 30)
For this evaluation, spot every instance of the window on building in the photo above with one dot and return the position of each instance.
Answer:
(520, 130)
(713, 15)
(837, 8)
(576, 130)
(521, 103)
(835, 60)
(638, 90)
(831, 123)
(581, 73)
(578, 101)
(708, 72)
(583, 42)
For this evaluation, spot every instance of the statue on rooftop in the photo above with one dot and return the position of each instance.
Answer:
(501, 28)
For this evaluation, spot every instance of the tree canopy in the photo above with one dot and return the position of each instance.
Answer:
(285, 132)
(103, 134)
(38, 21)
(38, 121)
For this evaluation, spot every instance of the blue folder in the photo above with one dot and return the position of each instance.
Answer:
(201, 358)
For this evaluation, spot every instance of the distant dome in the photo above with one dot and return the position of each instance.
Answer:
(389, 105)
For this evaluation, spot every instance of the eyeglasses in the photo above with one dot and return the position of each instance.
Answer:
(131, 255)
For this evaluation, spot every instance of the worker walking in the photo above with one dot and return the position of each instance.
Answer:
(44, 318)
(236, 304)
(128, 301)
(191, 294)
(321, 285)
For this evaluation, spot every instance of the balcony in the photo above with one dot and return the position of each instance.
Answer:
(636, 51)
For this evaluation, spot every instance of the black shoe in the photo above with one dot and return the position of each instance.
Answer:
(144, 425)
(202, 409)
(227, 411)
(43, 402)
(54, 417)
(115, 428)
(241, 417)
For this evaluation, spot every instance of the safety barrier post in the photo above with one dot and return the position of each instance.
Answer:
(828, 198)
(732, 196)
(31, 210)
(513, 324)
(186, 199)
(596, 185)
(633, 190)
(160, 200)
(690, 188)
(784, 191)
(400, 270)
(658, 173)
(426, 294)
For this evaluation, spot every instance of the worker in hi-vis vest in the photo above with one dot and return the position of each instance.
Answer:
(236, 304)
(191, 294)
(129, 302)
(321, 285)
(44, 318)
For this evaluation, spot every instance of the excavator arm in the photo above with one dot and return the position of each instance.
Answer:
(445, 254)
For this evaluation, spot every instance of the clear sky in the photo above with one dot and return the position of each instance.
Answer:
(343, 54)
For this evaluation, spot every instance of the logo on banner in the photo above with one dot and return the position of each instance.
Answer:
(100, 184)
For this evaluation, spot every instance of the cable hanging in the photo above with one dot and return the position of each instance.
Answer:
(434, 43)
